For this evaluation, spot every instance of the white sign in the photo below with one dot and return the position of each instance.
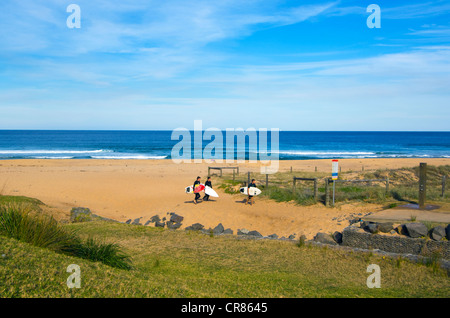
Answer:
(334, 169)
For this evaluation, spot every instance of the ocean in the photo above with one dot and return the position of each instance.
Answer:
(293, 145)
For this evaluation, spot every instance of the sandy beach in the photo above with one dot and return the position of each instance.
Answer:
(129, 189)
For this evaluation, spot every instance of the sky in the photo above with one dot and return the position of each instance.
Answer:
(291, 65)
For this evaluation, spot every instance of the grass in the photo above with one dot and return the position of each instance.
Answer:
(20, 220)
(403, 186)
(188, 264)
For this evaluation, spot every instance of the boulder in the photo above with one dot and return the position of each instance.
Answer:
(273, 236)
(254, 233)
(385, 227)
(228, 231)
(437, 233)
(242, 232)
(195, 227)
(337, 237)
(371, 228)
(173, 225)
(137, 221)
(415, 230)
(154, 219)
(218, 229)
(324, 238)
(160, 224)
(291, 237)
(128, 221)
(176, 218)
(80, 215)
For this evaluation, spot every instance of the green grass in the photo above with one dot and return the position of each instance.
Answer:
(403, 186)
(188, 264)
(20, 220)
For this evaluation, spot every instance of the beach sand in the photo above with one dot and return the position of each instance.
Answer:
(129, 189)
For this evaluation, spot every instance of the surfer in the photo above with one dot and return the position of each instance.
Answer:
(196, 184)
(250, 197)
(209, 184)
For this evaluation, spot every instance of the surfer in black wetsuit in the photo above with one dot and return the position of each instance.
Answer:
(250, 197)
(196, 184)
(207, 184)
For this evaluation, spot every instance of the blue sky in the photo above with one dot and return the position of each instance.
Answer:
(292, 65)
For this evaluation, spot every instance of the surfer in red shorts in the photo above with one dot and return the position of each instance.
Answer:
(196, 184)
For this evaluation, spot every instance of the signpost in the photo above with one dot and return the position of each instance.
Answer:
(334, 175)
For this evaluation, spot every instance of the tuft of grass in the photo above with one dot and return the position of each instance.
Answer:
(94, 250)
(21, 222)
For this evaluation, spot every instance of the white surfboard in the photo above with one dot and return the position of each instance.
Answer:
(209, 191)
(253, 191)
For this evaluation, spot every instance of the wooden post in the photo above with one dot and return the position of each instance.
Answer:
(291, 169)
(267, 180)
(248, 178)
(316, 189)
(316, 168)
(444, 179)
(327, 193)
(221, 171)
(294, 185)
(209, 169)
(422, 185)
(233, 175)
(237, 170)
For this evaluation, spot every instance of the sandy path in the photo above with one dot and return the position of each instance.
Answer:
(128, 189)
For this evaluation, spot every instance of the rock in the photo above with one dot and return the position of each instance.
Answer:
(324, 238)
(176, 218)
(437, 233)
(337, 237)
(195, 227)
(273, 236)
(242, 232)
(128, 221)
(291, 237)
(173, 225)
(80, 215)
(385, 227)
(218, 229)
(354, 221)
(447, 232)
(254, 233)
(147, 223)
(415, 230)
(154, 219)
(371, 228)
(137, 221)
(228, 231)
(160, 224)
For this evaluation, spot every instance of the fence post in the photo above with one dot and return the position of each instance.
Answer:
(267, 181)
(209, 169)
(327, 193)
(316, 189)
(387, 185)
(248, 178)
(294, 185)
(444, 179)
(233, 175)
(422, 185)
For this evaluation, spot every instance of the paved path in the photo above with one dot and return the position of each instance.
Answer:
(397, 214)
